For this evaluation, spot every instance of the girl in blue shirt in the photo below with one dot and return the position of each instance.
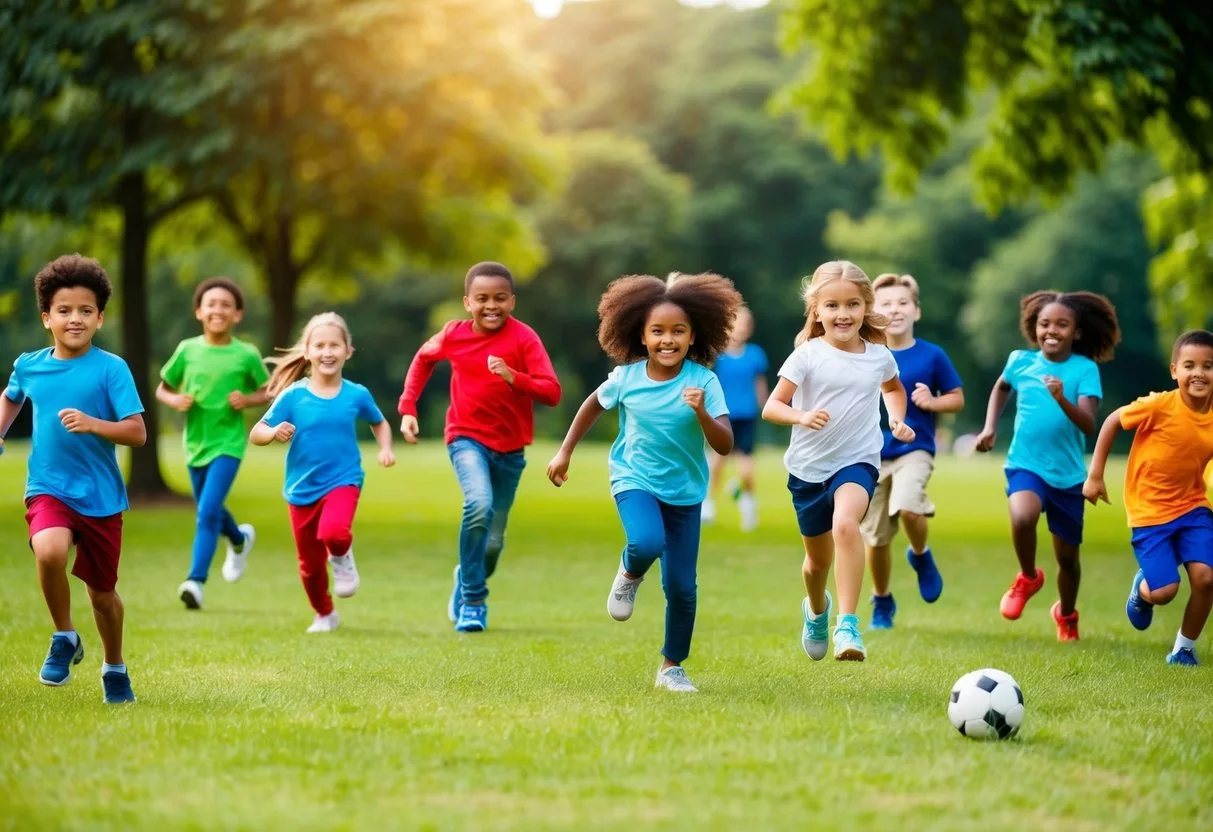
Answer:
(316, 412)
(663, 335)
(1059, 391)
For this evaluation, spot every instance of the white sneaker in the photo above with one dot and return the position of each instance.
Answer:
(707, 512)
(623, 596)
(675, 679)
(748, 507)
(345, 574)
(325, 623)
(234, 563)
(190, 594)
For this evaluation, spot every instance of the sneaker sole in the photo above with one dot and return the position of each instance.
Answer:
(475, 628)
(52, 684)
(350, 594)
(850, 655)
(191, 603)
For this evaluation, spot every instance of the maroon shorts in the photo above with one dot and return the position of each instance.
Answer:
(98, 539)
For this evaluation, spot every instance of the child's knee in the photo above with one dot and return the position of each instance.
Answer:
(209, 516)
(646, 547)
(1200, 577)
(51, 546)
(1165, 594)
(106, 601)
(909, 516)
(680, 591)
(845, 527)
(478, 512)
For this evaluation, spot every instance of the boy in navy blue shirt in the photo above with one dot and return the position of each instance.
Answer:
(905, 467)
(84, 402)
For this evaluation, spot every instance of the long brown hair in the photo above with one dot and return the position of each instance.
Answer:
(293, 363)
(872, 328)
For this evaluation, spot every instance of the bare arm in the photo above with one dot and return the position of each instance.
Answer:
(894, 394)
(952, 401)
(1081, 414)
(257, 398)
(586, 416)
(169, 397)
(1094, 489)
(262, 434)
(999, 396)
(719, 431)
(762, 390)
(8, 413)
(130, 431)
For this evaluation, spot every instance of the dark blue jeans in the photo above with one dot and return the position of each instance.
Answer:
(489, 480)
(211, 483)
(659, 531)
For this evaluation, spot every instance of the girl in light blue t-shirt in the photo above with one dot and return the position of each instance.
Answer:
(663, 334)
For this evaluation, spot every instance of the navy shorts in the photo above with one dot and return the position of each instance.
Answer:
(1063, 507)
(814, 501)
(1161, 549)
(743, 436)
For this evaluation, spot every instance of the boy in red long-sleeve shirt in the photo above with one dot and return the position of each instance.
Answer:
(499, 369)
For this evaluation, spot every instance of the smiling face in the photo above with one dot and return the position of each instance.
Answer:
(840, 309)
(1193, 374)
(490, 300)
(897, 304)
(1056, 330)
(327, 351)
(218, 312)
(73, 317)
(667, 335)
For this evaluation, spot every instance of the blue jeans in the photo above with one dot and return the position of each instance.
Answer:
(211, 483)
(659, 531)
(489, 480)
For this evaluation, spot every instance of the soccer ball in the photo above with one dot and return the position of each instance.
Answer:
(986, 705)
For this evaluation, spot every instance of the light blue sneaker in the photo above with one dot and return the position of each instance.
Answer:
(473, 618)
(883, 610)
(848, 644)
(930, 582)
(1139, 611)
(117, 687)
(57, 668)
(815, 635)
(456, 601)
(1185, 656)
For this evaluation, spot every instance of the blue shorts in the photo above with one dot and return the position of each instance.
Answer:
(1161, 549)
(814, 501)
(1063, 507)
(743, 436)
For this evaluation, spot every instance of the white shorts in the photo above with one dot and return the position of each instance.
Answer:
(902, 487)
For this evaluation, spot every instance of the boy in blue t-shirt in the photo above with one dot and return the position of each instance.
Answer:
(741, 369)
(84, 402)
(905, 467)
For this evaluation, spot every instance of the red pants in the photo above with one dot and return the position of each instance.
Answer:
(98, 539)
(321, 529)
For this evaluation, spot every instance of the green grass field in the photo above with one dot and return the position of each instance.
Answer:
(549, 720)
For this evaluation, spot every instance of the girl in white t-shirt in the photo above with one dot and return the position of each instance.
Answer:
(829, 391)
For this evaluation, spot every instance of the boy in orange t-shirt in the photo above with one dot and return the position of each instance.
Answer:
(1166, 496)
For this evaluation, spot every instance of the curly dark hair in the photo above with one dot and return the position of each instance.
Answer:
(710, 301)
(219, 283)
(1094, 315)
(68, 272)
(1197, 337)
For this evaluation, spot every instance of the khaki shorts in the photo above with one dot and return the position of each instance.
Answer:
(902, 487)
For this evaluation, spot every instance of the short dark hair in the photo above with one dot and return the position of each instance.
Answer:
(225, 283)
(487, 268)
(1193, 337)
(68, 272)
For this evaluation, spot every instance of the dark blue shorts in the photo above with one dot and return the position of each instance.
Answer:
(1161, 549)
(1063, 507)
(814, 501)
(743, 436)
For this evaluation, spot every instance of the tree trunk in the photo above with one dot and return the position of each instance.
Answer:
(146, 481)
(284, 278)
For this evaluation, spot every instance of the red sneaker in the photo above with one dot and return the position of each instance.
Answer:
(1067, 625)
(1017, 596)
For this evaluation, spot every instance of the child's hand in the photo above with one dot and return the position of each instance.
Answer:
(558, 469)
(985, 440)
(182, 402)
(901, 431)
(284, 432)
(1055, 387)
(409, 429)
(693, 396)
(1094, 489)
(386, 458)
(75, 421)
(237, 400)
(814, 419)
(497, 367)
(922, 397)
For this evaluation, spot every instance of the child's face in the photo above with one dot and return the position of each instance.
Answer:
(897, 304)
(841, 310)
(667, 334)
(490, 300)
(327, 351)
(73, 318)
(743, 328)
(1056, 330)
(217, 311)
(1193, 371)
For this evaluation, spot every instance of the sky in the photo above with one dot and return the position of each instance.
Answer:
(550, 8)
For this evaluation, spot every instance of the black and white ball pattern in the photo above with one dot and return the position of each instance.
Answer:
(986, 705)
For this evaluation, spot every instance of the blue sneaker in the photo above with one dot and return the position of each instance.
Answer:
(1139, 611)
(117, 688)
(456, 601)
(848, 644)
(815, 636)
(883, 610)
(1184, 656)
(930, 582)
(473, 618)
(57, 668)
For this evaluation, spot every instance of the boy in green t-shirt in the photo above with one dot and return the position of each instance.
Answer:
(211, 378)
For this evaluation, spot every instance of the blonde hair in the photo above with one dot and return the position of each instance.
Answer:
(293, 363)
(906, 281)
(872, 328)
